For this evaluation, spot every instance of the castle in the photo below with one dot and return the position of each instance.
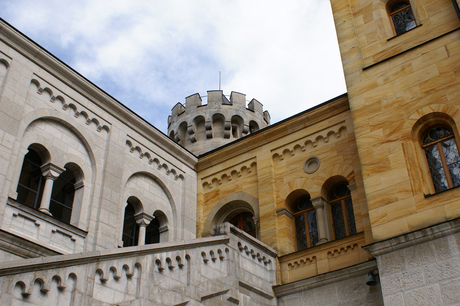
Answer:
(354, 201)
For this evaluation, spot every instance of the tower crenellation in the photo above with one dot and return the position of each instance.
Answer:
(201, 127)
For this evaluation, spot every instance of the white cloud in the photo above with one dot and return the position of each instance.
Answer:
(151, 54)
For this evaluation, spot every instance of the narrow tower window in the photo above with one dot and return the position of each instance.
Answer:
(402, 17)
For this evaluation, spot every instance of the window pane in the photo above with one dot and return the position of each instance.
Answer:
(403, 21)
(350, 216)
(152, 232)
(312, 227)
(453, 161)
(437, 172)
(130, 229)
(337, 219)
(300, 232)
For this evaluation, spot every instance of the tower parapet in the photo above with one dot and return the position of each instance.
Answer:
(202, 127)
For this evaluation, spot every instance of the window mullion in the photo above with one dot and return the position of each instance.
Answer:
(307, 229)
(444, 165)
(344, 214)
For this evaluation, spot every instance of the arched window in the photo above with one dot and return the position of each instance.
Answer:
(245, 222)
(62, 196)
(305, 223)
(130, 227)
(442, 157)
(152, 232)
(31, 180)
(402, 17)
(341, 212)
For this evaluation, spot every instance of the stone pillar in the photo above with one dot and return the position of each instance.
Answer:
(318, 204)
(50, 173)
(143, 220)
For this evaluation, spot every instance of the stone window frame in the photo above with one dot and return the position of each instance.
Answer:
(411, 140)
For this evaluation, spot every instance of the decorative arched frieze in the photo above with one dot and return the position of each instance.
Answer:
(330, 134)
(67, 103)
(228, 175)
(342, 250)
(153, 159)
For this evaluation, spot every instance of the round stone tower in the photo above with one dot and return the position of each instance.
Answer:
(203, 127)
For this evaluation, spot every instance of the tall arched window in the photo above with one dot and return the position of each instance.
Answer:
(130, 227)
(245, 222)
(306, 229)
(402, 17)
(442, 157)
(62, 196)
(342, 215)
(31, 181)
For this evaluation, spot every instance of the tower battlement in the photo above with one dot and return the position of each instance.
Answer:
(202, 127)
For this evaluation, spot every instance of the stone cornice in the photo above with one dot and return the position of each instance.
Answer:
(414, 238)
(273, 132)
(83, 86)
(324, 279)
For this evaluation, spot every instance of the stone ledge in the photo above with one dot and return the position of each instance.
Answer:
(38, 214)
(427, 234)
(324, 279)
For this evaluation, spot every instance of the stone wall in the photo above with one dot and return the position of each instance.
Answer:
(421, 268)
(342, 287)
(229, 269)
(399, 86)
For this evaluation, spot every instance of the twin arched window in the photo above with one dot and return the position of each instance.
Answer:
(32, 184)
(340, 217)
(442, 157)
(132, 234)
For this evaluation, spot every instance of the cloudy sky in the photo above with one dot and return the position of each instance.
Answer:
(151, 54)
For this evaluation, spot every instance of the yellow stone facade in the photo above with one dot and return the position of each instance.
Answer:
(398, 87)
(264, 174)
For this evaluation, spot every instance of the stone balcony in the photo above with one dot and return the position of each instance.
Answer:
(230, 268)
(323, 258)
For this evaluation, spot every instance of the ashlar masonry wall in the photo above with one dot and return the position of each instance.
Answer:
(421, 268)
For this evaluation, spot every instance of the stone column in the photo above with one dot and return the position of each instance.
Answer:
(50, 173)
(318, 204)
(143, 220)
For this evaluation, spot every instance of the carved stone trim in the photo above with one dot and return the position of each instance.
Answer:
(284, 212)
(352, 187)
(51, 171)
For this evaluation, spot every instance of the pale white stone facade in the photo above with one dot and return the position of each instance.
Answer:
(46, 105)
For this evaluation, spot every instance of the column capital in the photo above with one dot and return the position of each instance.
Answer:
(51, 171)
(318, 202)
(143, 219)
